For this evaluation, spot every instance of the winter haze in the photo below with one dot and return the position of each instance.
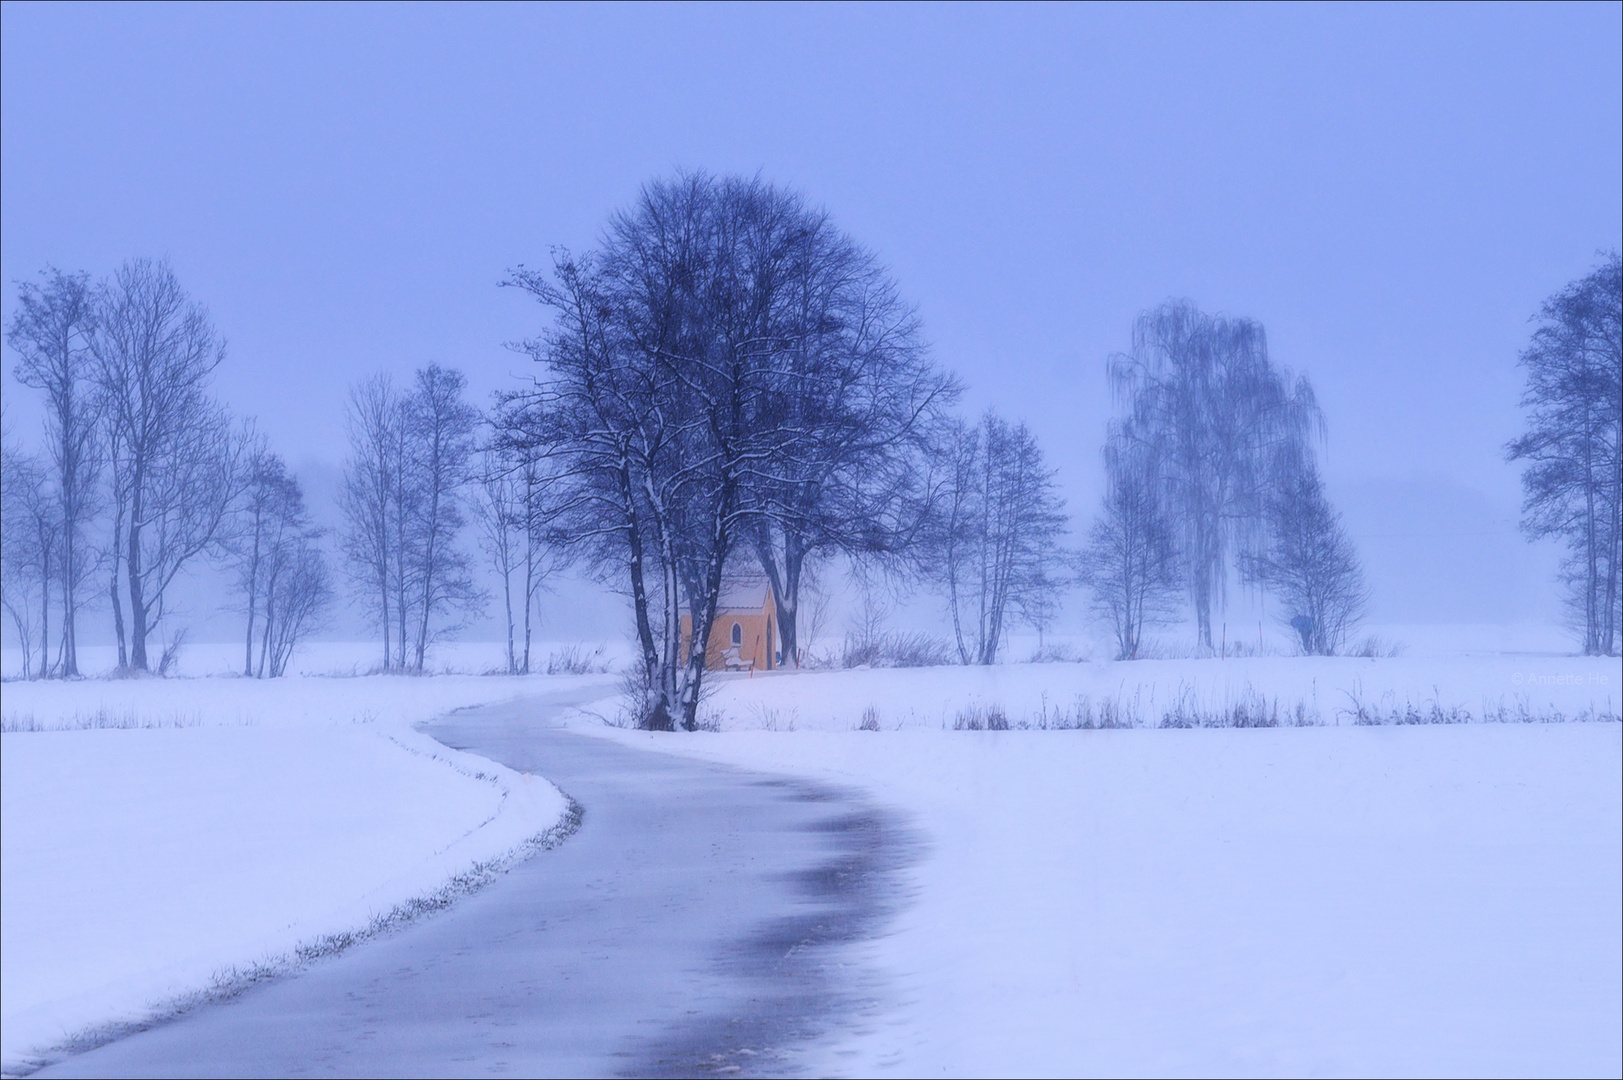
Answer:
(519, 446)
(1380, 190)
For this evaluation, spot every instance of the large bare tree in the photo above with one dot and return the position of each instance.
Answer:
(727, 374)
(1573, 446)
(51, 330)
(850, 383)
(593, 417)
(176, 461)
(995, 546)
(371, 503)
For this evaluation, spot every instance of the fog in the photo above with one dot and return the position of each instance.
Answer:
(1391, 192)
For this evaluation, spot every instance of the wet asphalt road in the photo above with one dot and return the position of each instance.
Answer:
(698, 922)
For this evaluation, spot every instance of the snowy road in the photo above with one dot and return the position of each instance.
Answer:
(699, 921)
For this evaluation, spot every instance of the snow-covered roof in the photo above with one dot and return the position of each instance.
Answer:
(743, 596)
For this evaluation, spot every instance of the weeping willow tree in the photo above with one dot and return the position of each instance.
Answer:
(1202, 400)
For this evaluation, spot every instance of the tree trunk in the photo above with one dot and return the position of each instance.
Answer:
(639, 585)
(785, 583)
(529, 596)
(253, 607)
(270, 628)
(45, 613)
(428, 574)
(70, 636)
(72, 508)
(507, 599)
(385, 610)
(138, 607)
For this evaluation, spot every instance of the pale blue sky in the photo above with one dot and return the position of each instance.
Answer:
(1391, 190)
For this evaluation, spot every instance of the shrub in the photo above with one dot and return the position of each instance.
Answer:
(574, 660)
(896, 650)
(981, 718)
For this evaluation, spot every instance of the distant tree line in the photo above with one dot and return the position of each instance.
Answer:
(727, 382)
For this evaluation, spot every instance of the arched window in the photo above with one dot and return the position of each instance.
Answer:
(738, 635)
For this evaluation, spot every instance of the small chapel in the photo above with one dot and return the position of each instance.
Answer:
(745, 633)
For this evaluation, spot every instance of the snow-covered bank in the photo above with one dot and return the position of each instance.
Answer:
(1319, 901)
(296, 701)
(141, 863)
(350, 658)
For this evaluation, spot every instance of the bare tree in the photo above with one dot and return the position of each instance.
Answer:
(657, 365)
(29, 540)
(726, 376)
(850, 385)
(996, 542)
(1307, 561)
(176, 461)
(1130, 564)
(499, 511)
(516, 528)
(51, 331)
(372, 542)
(300, 593)
(441, 425)
(251, 543)
(1573, 447)
(1202, 394)
(592, 417)
(410, 458)
(537, 486)
(282, 573)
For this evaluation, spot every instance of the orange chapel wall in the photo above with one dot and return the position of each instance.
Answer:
(757, 632)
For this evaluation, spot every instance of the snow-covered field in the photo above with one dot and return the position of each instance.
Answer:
(1324, 900)
(1439, 900)
(1331, 691)
(158, 835)
(1330, 899)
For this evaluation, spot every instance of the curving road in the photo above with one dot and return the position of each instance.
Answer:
(697, 923)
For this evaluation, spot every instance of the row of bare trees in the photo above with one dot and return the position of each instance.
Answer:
(143, 476)
(404, 505)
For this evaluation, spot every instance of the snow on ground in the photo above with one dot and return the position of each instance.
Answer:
(1329, 688)
(1294, 901)
(156, 833)
(1332, 899)
(295, 701)
(347, 657)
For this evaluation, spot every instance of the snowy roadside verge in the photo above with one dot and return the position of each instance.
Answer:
(252, 828)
